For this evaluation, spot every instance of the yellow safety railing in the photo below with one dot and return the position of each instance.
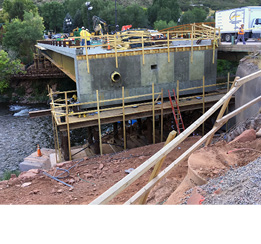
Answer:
(141, 41)
(61, 109)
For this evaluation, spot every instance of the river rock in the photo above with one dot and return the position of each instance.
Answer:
(26, 184)
(258, 134)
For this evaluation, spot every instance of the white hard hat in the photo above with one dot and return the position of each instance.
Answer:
(83, 28)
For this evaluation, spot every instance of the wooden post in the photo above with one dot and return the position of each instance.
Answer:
(99, 119)
(115, 46)
(139, 126)
(123, 119)
(222, 110)
(157, 166)
(115, 130)
(90, 135)
(178, 91)
(149, 130)
(168, 46)
(228, 78)
(153, 113)
(142, 41)
(97, 140)
(161, 117)
(55, 135)
(68, 126)
(64, 145)
(214, 46)
(203, 105)
(192, 35)
(86, 55)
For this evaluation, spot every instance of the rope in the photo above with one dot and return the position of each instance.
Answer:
(85, 180)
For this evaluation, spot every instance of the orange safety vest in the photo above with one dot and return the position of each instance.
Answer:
(241, 31)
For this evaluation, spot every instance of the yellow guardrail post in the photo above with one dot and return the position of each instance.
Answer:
(153, 113)
(123, 119)
(99, 119)
(116, 54)
(142, 41)
(168, 45)
(161, 122)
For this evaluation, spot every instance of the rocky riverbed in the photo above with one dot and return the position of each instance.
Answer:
(19, 134)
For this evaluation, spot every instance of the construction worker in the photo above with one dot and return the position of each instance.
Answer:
(88, 38)
(83, 35)
(240, 35)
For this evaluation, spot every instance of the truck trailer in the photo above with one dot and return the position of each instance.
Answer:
(230, 20)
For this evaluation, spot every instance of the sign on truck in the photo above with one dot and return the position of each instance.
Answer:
(230, 20)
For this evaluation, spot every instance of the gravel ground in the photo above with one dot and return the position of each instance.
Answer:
(239, 186)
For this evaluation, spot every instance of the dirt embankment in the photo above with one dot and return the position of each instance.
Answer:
(93, 176)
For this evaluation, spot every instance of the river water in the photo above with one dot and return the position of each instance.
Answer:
(19, 135)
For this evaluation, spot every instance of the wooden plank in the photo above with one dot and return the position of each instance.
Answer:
(40, 113)
(247, 78)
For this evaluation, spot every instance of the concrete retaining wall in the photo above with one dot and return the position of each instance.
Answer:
(248, 91)
(138, 78)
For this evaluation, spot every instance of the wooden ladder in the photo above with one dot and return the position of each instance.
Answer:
(176, 113)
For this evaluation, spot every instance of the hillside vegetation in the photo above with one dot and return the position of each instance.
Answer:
(184, 4)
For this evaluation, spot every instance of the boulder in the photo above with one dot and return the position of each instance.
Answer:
(247, 135)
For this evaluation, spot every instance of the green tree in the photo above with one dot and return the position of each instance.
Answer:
(8, 68)
(162, 24)
(136, 16)
(53, 14)
(16, 8)
(164, 10)
(77, 20)
(21, 36)
(195, 15)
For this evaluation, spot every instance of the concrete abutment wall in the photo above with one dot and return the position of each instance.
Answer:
(137, 78)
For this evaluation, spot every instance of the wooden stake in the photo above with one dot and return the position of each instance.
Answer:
(68, 126)
(157, 167)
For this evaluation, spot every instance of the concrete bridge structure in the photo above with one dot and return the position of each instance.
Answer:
(186, 57)
(111, 73)
(236, 52)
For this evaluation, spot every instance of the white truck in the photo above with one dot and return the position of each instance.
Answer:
(230, 20)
